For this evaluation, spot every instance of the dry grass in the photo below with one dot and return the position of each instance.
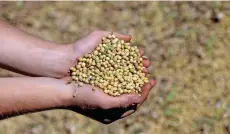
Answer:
(189, 54)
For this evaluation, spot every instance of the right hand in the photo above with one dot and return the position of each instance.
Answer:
(104, 108)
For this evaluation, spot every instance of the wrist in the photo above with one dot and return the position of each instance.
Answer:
(62, 92)
(66, 96)
(62, 59)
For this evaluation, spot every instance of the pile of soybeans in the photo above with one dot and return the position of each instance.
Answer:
(114, 66)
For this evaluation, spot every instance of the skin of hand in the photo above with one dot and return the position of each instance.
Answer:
(104, 108)
(86, 45)
(97, 104)
(29, 55)
(42, 58)
(31, 94)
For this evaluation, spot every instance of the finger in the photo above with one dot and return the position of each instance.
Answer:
(145, 90)
(146, 63)
(125, 100)
(66, 78)
(145, 70)
(141, 51)
(126, 38)
(129, 111)
(101, 34)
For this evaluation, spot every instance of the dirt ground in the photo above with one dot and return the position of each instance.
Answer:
(187, 42)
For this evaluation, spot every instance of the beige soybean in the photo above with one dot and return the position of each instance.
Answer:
(114, 66)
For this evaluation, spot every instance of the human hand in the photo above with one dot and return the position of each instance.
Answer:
(96, 104)
(86, 45)
(35, 57)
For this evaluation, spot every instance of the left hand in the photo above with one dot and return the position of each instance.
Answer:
(84, 46)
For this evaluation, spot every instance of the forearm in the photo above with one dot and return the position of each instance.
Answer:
(31, 55)
(22, 95)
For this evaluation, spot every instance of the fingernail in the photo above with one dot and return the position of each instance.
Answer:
(152, 83)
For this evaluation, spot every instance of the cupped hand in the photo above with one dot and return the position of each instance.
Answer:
(94, 103)
(87, 45)
(104, 108)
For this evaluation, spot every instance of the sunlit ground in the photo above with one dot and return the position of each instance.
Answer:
(187, 42)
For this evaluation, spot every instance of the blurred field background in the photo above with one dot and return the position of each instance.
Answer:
(187, 42)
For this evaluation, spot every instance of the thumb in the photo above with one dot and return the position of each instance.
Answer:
(88, 43)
